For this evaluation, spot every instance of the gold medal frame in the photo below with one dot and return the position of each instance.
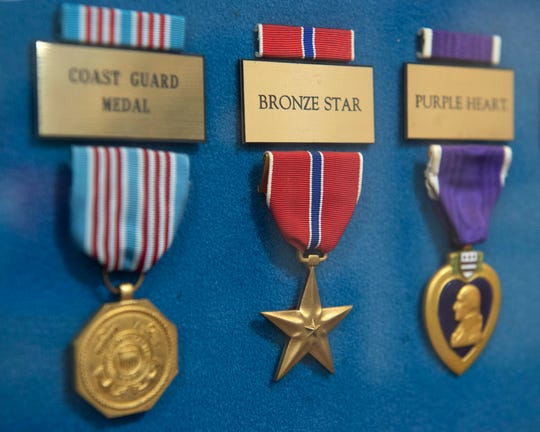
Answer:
(432, 297)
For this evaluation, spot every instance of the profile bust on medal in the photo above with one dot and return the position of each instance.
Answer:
(467, 313)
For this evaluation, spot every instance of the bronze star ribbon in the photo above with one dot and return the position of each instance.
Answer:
(308, 326)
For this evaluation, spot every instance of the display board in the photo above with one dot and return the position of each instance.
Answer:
(229, 262)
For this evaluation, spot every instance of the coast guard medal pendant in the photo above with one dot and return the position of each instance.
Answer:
(461, 306)
(126, 356)
(126, 205)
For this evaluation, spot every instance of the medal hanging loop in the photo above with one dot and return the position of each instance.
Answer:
(312, 260)
(122, 290)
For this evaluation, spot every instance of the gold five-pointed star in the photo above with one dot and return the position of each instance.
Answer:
(308, 328)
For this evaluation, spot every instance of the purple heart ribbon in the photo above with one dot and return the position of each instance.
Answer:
(468, 47)
(465, 181)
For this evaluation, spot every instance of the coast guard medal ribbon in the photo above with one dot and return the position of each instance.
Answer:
(312, 196)
(117, 27)
(126, 205)
(462, 300)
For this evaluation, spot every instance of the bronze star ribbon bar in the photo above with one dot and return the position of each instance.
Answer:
(303, 42)
(463, 298)
(312, 196)
(126, 206)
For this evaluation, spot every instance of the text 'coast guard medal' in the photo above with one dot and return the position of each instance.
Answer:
(126, 205)
(463, 298)
(312, 196)
(91, 91)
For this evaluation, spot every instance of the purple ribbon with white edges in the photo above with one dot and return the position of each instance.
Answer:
(447, 45)
(465, 182)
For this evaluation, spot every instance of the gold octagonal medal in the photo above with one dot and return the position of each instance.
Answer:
(125, 358)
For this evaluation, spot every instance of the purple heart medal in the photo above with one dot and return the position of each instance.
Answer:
(463, 298)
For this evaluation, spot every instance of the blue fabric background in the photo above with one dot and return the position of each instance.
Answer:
(229, 261)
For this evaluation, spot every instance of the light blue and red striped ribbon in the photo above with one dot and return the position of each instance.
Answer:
(127, 203)
(312, 195)
(309, 43)
(107, 26)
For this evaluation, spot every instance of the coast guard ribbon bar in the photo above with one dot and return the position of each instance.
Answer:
(309, 43)
(465, 182)
(312, 195)
(107, 26)
(126, 204)
(441, 44)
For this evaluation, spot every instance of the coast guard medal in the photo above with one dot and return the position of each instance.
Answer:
(126, 205)
(312, 196)
(462, 300)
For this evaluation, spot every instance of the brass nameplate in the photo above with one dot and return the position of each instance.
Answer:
(306, 103)
(459, 103)
(90, 92)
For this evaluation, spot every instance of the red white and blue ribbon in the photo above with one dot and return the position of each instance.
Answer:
(107, 26)
(127, 203)
(309, 43)
(312, 195)
(447, 45)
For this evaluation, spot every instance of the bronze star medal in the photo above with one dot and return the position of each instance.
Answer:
(312, 197)
(308, 326)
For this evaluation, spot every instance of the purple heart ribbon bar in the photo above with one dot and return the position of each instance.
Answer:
(465, 182)
(448, 45)
(118, 27)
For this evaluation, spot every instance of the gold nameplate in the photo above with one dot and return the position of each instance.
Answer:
(306, 103)
(90, 92)
(459, 103)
